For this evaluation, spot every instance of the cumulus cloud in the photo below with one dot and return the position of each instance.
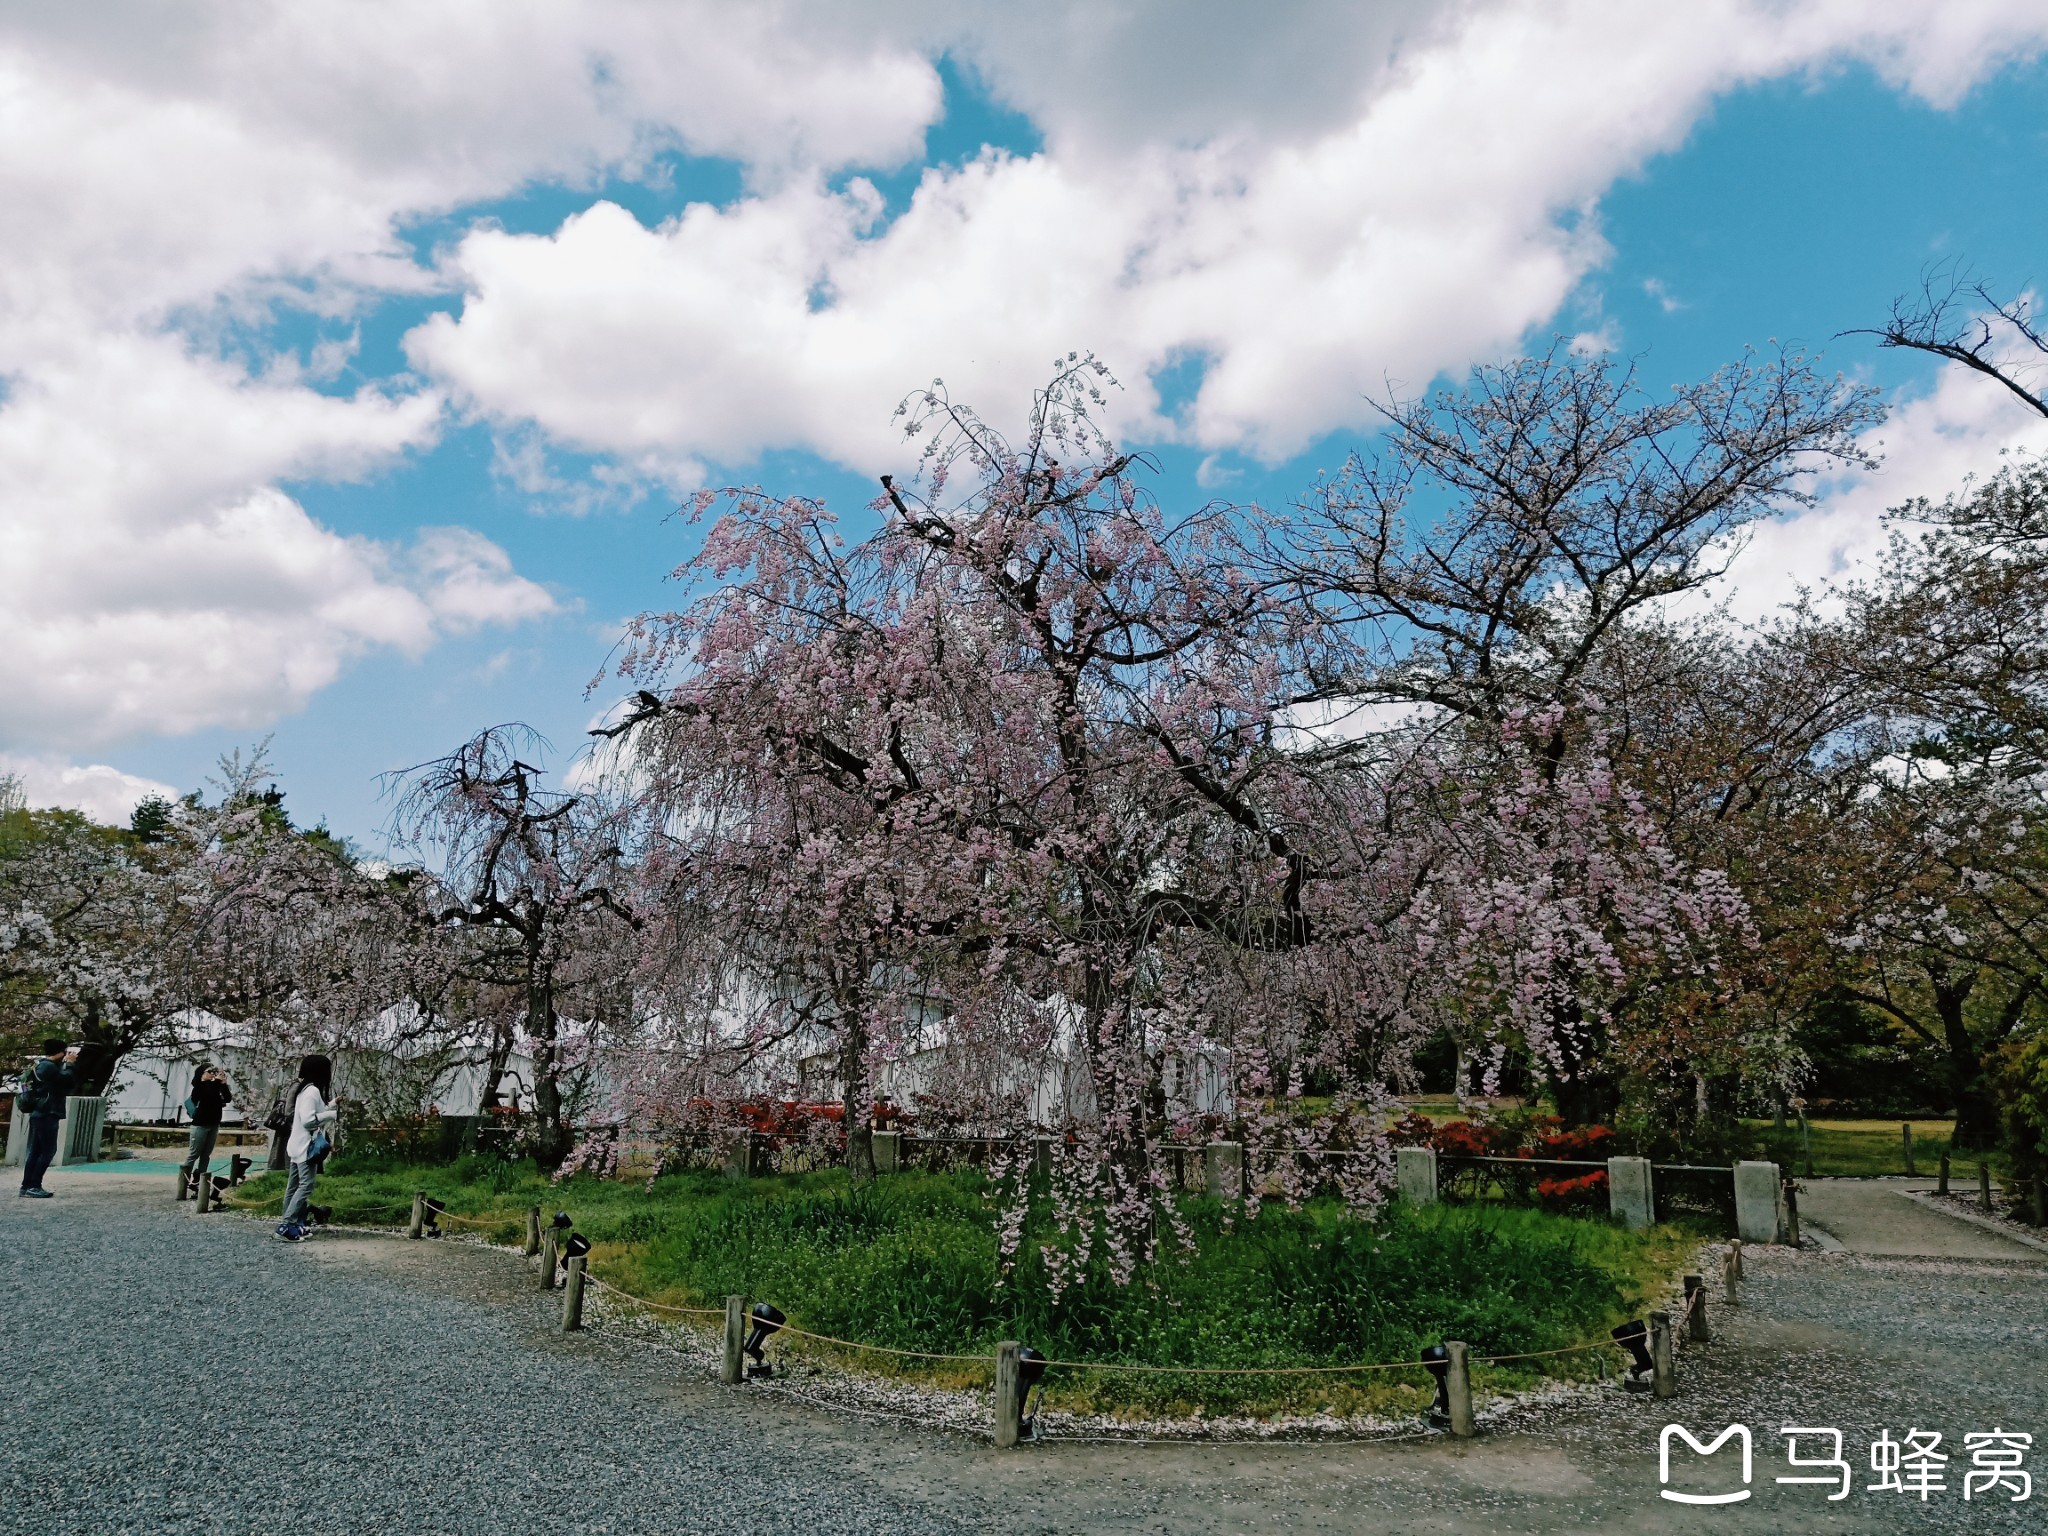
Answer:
(1934, 445)
(1317, 203)
(105, 794)
(1426, 216)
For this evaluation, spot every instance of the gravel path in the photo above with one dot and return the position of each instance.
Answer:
(155, 1353)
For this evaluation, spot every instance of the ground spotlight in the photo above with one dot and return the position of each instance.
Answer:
(1437, 1359)
(577, 1246)
(238, 1168)
(430, 1215)
(1634, 1337)
(321, 1215)
(767, 1320)
(561, 1223)
(219, 1192)
(1030, 1371)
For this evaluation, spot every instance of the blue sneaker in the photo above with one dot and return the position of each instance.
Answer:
(292, 1232)
(37, 1194)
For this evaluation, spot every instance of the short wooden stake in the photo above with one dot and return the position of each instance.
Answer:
(205, 1191)
(735, 1340)
(418, 1225)
(1983, 1186)
(184, 1186)
(1906, 1133)
(1735, 1253)
(1696, 1325)
(1009, 1355)
(572, 1297)
(1791, 1213)
(1458, 1388)
(1941, 1186)
(547, 1259)
(1729, 1268)
(532, 1230)
(1663, 1378)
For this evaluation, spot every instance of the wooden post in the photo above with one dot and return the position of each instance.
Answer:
(532, 1230)
(418, 1225)
(205, 1190)
(547, 1259)
(1906, 1135)
(1792, 1213)
(1730, 1267)
(1008, 1426)
(1663, 1379)
(735, 1340)
(1458, 1387)
(1983, 1186)
(572, 1297)
(1696, 1324)
(1735, 1252)
(184, 1186)
(1941, 1186)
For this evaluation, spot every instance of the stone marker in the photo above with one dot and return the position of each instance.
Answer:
(735, 1340)
(1415, 1175)
(1758, 1215)
(1458, 1388)
(888, 1151)
(1225, 1170)
(1631, 1193)
(1009, 1355)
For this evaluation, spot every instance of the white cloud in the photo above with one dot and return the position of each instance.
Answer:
(1322, 201)
(1425, 218)
(105, 794)
(1932, 446)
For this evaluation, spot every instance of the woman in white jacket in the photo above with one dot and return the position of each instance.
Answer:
(312, 1114)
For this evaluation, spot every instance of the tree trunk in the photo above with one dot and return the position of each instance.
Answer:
(856, 1102)
(1976, 1115)
(551, 1136)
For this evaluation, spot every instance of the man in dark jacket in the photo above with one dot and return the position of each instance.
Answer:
(44, 1087)
(210, 1095)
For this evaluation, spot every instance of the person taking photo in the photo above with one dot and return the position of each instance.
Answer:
(210, 1095)
(44, 1087)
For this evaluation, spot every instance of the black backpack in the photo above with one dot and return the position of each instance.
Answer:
(34, 1096)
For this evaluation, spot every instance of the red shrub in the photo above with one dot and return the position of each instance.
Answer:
(1588, 1191)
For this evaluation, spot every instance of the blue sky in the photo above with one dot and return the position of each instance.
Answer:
(577, 386)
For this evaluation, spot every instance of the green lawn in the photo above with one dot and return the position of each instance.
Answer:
(910, 1262)
(1862, 1148)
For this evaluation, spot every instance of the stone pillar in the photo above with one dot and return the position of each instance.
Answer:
(1225, 1161)
(888, 1151)
(735, 1340)
(78, 1138)
(1041, 1156)
(1009, 1423)
(1759, 1216)
(1631, 1195)
(739, 1156)
(1458, 1388)
(572, 1297)
(1415, 1175)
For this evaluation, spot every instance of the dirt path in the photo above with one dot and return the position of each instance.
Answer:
(1874, 1216)
(428, 1391)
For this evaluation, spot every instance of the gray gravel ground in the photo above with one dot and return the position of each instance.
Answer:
(182, 1375)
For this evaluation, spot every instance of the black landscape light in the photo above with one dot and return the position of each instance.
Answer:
(767, 1320)
(561, 1223)
(1030, 1371)
(238, 1168)
(1437, 1360)
(321, 1214)
(577, 1246)
(219, 1192)
(430, 1215)
(1634, 1337)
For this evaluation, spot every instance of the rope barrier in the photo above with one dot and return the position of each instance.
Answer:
(1236, 1370)
(657, 1306)
(883, 1349)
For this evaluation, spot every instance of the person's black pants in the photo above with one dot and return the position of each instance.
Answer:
(42, 1147)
